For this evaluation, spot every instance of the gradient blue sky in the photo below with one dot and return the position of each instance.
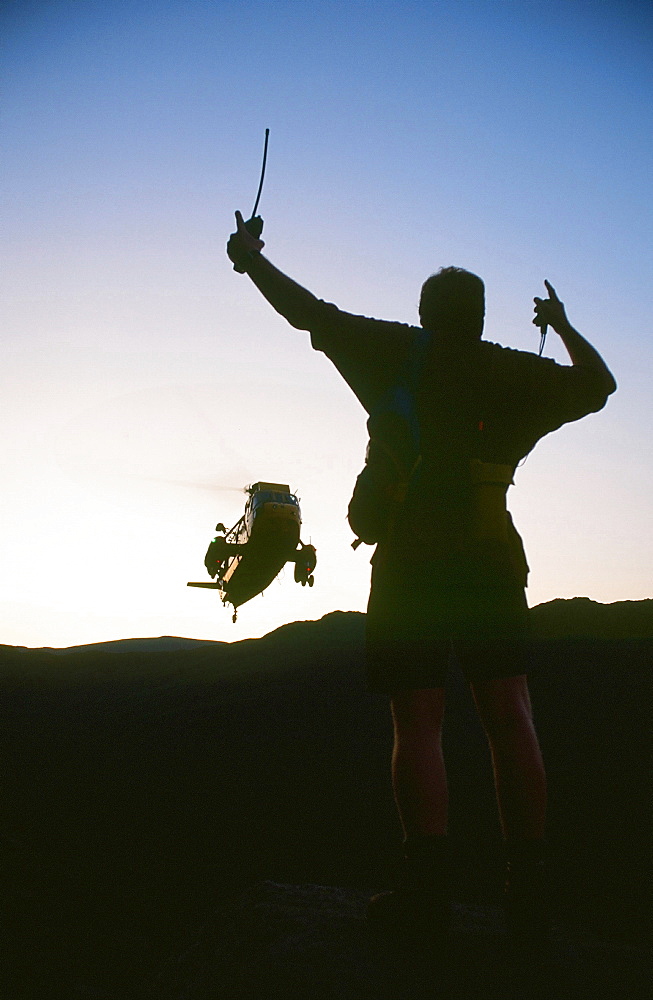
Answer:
(511, 138)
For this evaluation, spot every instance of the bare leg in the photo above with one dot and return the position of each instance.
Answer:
(419, 778)
(420, 903)
(505, 710)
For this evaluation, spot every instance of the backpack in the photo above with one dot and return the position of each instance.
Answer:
(392, 455)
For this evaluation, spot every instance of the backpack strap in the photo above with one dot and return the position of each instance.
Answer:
(394, 447)
(414, 372)
(400, 398)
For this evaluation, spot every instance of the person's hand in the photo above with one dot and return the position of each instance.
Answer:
(551, 311)
(243, 243)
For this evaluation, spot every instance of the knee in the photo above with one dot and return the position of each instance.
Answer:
(504, 708)
(418, 714)
(506, 723)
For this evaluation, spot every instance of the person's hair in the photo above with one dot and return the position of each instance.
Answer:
(453, 302)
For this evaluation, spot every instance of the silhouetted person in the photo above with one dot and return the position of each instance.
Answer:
(453, 572)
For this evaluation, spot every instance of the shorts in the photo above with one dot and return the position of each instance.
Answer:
(421, 611)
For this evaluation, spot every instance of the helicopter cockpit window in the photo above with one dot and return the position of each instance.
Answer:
(270, 496)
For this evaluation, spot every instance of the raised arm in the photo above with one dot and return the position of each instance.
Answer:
(296, 304)
(551, 312)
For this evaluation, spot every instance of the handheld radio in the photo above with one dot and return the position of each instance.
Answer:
(254, 224)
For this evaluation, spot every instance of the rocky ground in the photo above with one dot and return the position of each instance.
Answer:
(307, 941)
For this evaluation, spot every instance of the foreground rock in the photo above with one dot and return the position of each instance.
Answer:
(307, 941)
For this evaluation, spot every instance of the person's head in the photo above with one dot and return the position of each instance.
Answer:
(453, 303)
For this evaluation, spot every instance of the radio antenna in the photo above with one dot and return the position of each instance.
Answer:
(265, 159)
(254, 224)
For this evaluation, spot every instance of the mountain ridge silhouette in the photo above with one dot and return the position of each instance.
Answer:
(574, 617)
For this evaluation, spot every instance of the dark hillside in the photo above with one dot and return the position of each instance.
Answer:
(582, 618)
(143, 787)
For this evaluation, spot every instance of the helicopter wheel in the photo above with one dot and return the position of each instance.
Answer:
(235, 616)
(311, 581)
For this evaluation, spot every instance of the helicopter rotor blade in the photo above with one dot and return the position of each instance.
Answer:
(190, 484)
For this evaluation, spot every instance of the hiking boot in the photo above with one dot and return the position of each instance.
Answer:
(420, 905)
(526, 897)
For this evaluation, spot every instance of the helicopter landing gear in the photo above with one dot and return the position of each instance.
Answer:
(234, 616)
(305, 560)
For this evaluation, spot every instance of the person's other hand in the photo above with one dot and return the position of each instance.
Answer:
(551, 311)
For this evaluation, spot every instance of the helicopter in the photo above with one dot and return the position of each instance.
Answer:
(245, 560)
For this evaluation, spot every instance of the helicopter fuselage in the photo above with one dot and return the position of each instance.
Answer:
(246, 559)
(267, 536)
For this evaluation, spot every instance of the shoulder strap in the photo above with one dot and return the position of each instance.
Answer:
(408, 386)
(400, 398)
(416, 356)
